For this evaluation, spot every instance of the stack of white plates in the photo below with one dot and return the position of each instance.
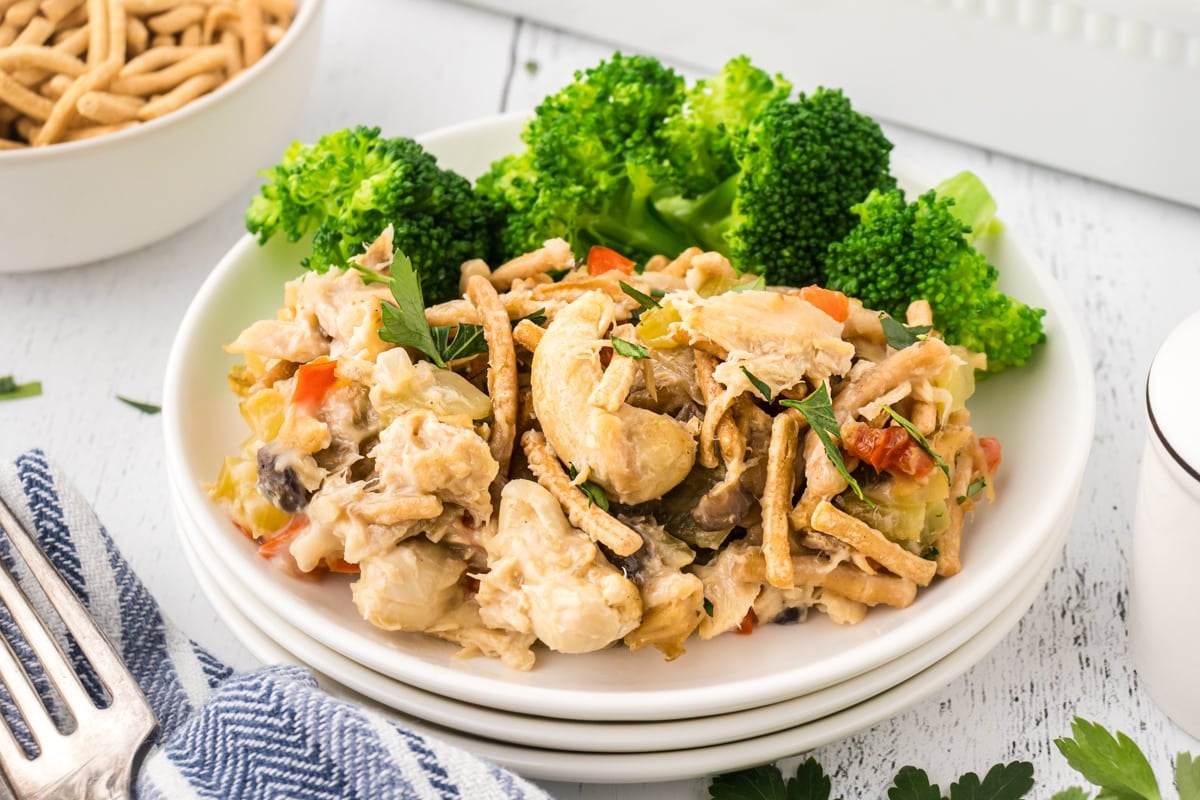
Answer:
(616, 715)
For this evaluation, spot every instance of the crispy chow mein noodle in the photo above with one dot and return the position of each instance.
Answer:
(622, 458)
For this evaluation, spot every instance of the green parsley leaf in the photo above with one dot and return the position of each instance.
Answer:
(629, 349)
(759, 384)
(972, 490)
(920, 439)
(1116, 765)
(536, 317)
(11, 390)
(759, 284)
(911, 783)
(1002, 782)
(930, 553)
(644, 300)
(1187, 776)
(708, 607)
(757, 783)
(818, 410)
(454, 342)
(810, 783)
(404, 323)
(767, 783)
(595, 492)
(531, 67)
(145, 408)
(900, 335)
(557, 275)
(1073, 793)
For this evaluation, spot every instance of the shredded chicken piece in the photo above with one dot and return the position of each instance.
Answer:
(549, 579)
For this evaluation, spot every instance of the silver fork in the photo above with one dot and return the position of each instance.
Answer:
(95, 760)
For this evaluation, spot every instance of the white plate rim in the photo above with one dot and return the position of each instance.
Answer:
(914, 631)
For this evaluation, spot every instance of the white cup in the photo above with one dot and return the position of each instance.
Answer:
(1165, 582)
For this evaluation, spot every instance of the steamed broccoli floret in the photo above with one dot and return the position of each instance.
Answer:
(350, 185)
(799, 167)
(900, 252)
(701, 138)
(592, 153)
(625, 156)
(804, 164)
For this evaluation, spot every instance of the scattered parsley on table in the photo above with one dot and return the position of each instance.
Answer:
(1114, 764)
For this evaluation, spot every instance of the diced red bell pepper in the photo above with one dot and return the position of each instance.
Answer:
(602, 259)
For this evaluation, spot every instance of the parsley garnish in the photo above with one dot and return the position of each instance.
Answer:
(900, 335)
(1002, 782)
(455, 342)
(145, 408)
(11, 390)
(644, 300)
(1187, 776)
(920, 439)
(595, 493)
(973, 489)
(759, 384)
(536, 317)
(404, 323)
(818, 410)
(1114, 764)
(929, 553)
(629, 349)
(708, 607)
(557, 275)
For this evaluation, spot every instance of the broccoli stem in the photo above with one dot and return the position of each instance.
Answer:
(973, 205)
(702, 221)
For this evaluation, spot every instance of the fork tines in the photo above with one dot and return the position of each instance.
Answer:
(96, 754)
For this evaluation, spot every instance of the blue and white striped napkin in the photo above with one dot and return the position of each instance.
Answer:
(268, 733)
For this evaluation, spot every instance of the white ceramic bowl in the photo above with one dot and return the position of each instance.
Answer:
(78, 202)
(1042, 413)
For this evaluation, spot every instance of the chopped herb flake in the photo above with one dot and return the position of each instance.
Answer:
(818, 410)
(900, 335)
(759, 384)
(595, 493)
(629, 349)
(536, 317)
(920, 439)
(972, 490)
(455, 342)
(11, 390)
(644, 300)
(145, 408)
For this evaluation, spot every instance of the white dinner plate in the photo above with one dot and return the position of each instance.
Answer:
(1042, 413)
(630, 767)
(251, 620)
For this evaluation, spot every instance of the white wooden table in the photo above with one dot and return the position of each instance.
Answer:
(1129, 263)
